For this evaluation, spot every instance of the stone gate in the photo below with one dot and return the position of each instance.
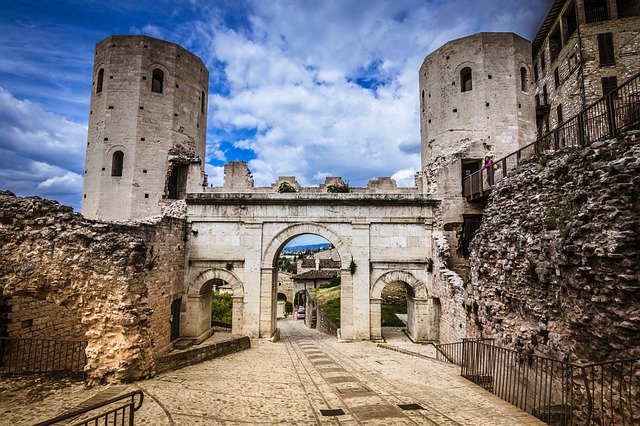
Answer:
(236, 233)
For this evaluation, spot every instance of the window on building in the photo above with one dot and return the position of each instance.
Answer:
(202, 102)
(117, 162)
(157, 80)
(535, 71)
(543, 63)
(523, 79)
(596, 10)
(100, 80)
(177, 184)
(570, 20)
(627, 8)
(537, 97)
(466, 79)
(559, 111)
(556, 78)
(555, 43)
(605, 48)
(609, 84)
(545, 95)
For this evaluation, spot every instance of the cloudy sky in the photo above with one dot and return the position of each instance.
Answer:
(310, 88)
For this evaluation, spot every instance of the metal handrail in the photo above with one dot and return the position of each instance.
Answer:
(606, 117)
(556, 392)
(21, 355)
(132, 404)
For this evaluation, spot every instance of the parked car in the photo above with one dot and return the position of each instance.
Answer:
(301, 313)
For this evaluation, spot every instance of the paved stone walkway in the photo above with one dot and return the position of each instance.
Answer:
(292, 382)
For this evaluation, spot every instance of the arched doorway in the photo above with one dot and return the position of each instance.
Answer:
(422, 321)
(196, 321)
(283, 243)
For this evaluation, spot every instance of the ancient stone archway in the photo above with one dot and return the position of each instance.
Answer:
(422, 320)
(195, 321)
(269, 271)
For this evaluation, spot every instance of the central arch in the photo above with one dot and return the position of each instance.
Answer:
(268, 300)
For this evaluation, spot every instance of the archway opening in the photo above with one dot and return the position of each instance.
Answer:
(308, 268)
(221, 296)
(393, 309)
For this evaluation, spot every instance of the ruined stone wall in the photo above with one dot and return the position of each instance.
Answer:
(31, 318)
(155, 131)
(107, 275)
(555, 263)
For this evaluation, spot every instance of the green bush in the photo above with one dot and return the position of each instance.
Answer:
(288, 307)
(340, 187)
(286, 187)
(331, 309)
(221, 307)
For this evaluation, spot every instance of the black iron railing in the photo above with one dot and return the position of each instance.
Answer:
(605, 118)
(556, 392)
(41, 355)
(115, 411)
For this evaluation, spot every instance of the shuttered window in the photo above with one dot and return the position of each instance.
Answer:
(605, 47)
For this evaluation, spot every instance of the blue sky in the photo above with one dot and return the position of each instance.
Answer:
(305, 88)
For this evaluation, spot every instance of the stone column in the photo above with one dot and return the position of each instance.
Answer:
(236, 317)
(419, 331)
(252, 278)
(355, 296)
(195, 322)
(268, 293)
(376, 313)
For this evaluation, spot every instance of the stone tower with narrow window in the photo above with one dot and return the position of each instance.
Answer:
(147, 128)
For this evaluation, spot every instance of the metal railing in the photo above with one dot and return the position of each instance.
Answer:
(608, 116)
(41, 355)
(119, 411)
(556, 392)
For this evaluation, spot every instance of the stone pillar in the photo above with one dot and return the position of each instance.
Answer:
(355, 298)
(252, 279)
(376, 313)
(433, 319)
(195, 321)
(236, 316)
(417, 323)
(267, 302)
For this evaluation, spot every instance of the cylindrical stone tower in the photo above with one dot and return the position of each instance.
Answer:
(476, 95)
(147, 128)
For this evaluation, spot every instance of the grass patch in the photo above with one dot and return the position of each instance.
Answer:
(388, 315)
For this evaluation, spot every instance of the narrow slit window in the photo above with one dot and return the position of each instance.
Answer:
(605, 49)
(157, 81)
(523, 79)
(117, 162)
(559, 112)
(100, 80)
(202, 101)
(466, 80)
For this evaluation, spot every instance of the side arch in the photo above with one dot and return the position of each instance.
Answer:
(277, 242)
(420, 290)
(196, 288)
(197, 306)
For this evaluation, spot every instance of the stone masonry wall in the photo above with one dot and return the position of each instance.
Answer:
(108, 275)
(38, 319)
(555, 265)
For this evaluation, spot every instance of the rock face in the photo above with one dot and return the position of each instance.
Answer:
(118, 279)
(555, 265)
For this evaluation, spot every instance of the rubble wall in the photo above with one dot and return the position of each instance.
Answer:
(108, 275)
(555, 265)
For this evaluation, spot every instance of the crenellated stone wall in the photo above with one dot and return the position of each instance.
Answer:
(555, 265)
(117, 279)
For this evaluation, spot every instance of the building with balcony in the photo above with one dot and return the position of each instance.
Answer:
(583, 50)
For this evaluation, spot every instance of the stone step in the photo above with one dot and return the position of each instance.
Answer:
(184, 343)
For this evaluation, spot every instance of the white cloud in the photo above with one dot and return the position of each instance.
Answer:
(215, 175)
(69, 183)
(289, 80)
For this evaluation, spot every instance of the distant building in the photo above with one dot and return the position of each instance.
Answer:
(583, 50)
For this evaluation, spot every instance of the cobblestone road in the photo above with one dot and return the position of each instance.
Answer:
(292, 382)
